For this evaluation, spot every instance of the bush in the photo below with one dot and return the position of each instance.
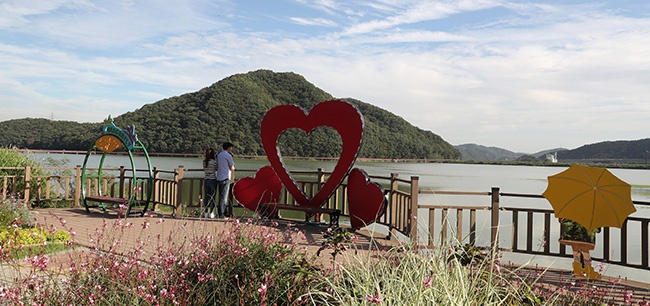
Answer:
(14, 158)
(59, 236)
(243, 265)
(15, 213)
(576, 232)
(22, 236)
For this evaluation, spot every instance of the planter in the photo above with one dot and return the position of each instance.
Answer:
(581, 258)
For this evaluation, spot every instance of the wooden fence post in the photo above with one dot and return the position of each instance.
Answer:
(77, 186)
(178, 178)
(28, 178)
(494, 210)
(389, 210)
(413, 216)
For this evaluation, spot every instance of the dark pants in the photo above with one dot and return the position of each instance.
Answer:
(210, 188)
(224, 188)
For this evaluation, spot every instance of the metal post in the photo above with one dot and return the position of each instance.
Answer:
(155, 185)
(122, 179)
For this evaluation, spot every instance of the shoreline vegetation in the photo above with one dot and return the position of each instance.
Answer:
(593, 162)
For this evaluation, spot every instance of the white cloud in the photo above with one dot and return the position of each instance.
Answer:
(314, 22)
(526, 80)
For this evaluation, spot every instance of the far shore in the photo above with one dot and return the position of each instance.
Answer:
(609, 163)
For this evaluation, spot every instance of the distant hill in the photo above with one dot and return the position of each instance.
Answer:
(232, 110)
(620, 151)
(551, 151)
(624, 150)
(482, 153)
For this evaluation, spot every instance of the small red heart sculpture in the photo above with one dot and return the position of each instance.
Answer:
(365, 199)
(342, 116)
(265, 187)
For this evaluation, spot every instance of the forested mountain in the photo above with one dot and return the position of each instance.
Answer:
(232, 110)
(620, 149)
(477, 152)
(628, 151)
(47, 134)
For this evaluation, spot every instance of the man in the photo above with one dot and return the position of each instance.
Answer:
(225, 173)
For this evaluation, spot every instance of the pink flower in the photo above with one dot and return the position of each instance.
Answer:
(39, 261)
(376, 299)
(628, 298)
(427, 281)
(262, 288)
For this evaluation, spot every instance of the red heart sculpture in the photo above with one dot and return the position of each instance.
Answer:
(342, 116)
(265, 187)
(365, 199)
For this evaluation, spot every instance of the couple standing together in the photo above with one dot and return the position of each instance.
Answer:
(219, 171)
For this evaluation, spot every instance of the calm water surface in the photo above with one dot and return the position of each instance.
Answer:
(432, 176)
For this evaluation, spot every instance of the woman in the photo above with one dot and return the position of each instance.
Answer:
(210, 181)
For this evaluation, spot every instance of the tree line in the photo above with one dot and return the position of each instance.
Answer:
(232, 110)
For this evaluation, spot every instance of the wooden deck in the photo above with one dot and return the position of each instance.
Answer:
(86, 226)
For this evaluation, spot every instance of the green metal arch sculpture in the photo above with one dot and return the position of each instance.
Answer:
(138, 192)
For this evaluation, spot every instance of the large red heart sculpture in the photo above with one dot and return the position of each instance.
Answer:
(265, 187)
(365, 199)
(342, 116)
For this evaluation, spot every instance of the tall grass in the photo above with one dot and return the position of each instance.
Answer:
(407, 276)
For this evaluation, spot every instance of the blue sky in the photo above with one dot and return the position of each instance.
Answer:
(521, 75)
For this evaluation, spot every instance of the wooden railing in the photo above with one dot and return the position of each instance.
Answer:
(181, 190)
(517, 229)
(487, 222)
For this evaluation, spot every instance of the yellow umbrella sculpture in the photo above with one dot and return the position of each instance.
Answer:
(593, 197)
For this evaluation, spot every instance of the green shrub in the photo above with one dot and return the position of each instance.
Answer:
(59, 236)
(22, 236)
(576, 232)
(14, 158)
(14, 212)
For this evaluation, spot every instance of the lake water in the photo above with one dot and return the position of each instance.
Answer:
(437, 177)
(432, 176)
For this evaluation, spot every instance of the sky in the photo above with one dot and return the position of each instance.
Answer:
(521, 75)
